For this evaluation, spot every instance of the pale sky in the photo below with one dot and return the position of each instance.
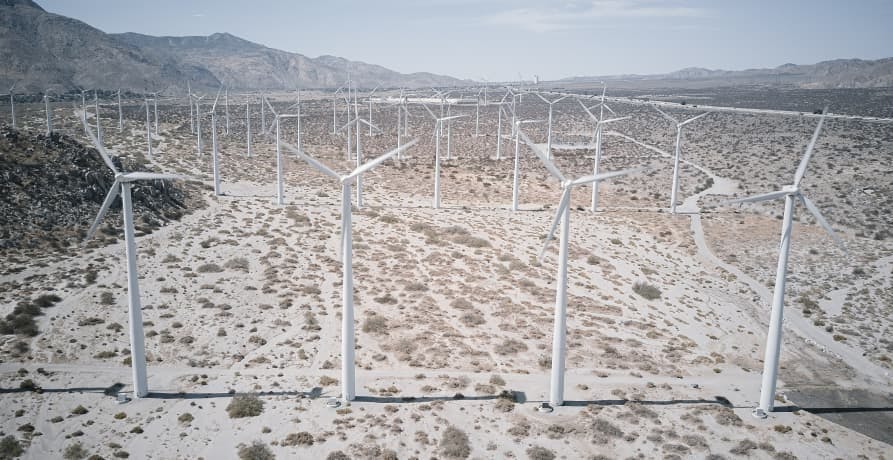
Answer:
(497, 40)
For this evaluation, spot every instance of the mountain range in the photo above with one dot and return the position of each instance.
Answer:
(43, 51)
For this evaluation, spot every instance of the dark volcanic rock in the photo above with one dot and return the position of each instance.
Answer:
(51, 188)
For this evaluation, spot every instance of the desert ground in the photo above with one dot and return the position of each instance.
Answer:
(241, 297)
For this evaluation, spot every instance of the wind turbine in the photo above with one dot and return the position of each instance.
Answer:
(549, 134)
(280, 186)
(348, 339)
(562, 215)
(198, 123)
(248, 124)
(773, 342)
(148, 132)
(189, 99)
(263, 115)
(155, 105)
(84, 107)
(334, 110)
(438, 128)
(98, 123)
(599, 123)
(122, 185)
(499, 127)
(226, 108)
(46, 103)
(120, 114)
(370, 109)
(676, 158)
(516, 177)
(12, 104)
(214, 161)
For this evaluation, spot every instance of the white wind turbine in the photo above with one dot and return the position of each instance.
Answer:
(122, 185)
(599, 123)
(263, 114)
(562, 215)
(348, 339)
(516, 176)
(155, 109)
(84, 107)
(499, 127)
(198, 123)
(370, 108)
(46, 103)
(12, 104)
(549, 129)
(679, 125)
(280, 185)
(359, 156)
(773, 342)
(438, 128)
(148, 132)
(248, 124)
(98, 123)
(214, 154)
(226, 109)
(335, 109)
(189, 100)
(120, 114)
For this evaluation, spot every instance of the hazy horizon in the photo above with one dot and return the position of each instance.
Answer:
(497, 40)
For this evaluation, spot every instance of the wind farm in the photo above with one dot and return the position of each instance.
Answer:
(360, 269)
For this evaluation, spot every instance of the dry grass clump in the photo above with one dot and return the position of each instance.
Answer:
(454, 443)
(257, 450)
(646, 290)
(209, 268)
(245, 405)
(604, 431)
(302, 438)
(540, 453)
(375, 324)
(10, 447)
(510, 347)
(238, 263)
(74, 452)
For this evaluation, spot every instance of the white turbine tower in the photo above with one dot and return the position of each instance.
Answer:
(189, 100)
(348, 339)
(155, 105)
(438, 129)
(370, 109)
(12, 104)
(676, 158)
(499, 127)
(98, 124)
(148, 132)
(120, 114)
(791, 194)
(198, 124)
(562, 215)
(248, 124)
(226, 108)
(84, 107)
(516, 175)
(549, 129)
(46, 103)
(335, 110)
(122, 185)
(599, 122)
(214, 153)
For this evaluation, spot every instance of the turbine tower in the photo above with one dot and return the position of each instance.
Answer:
(562, 215)
(549, 133)
(599, 123)
(348, 339)
(122, 185)
(676, 157)
(791, 194)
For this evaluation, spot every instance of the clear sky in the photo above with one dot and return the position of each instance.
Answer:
(499, 39)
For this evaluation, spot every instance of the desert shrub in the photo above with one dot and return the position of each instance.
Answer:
(375, 324)
(106, 354)
(245, 405)
(415, 286)
(185, 418)
(782, 429)
(10, 447)
(257, 450)
(497, 380)
(337, 455)
(46, 300)
(471, 241)
(209, 268)
(454, 443)
(80, 410)
(540, 453)
(510, 347)
(238, 263)
(461, 304)
(604, 430)
(106, 298)
(29, 385)
(646, 290)
(75, 452)
(327, 381)
(744, 447)
(302, 438)
(92, 321)
(19, 323)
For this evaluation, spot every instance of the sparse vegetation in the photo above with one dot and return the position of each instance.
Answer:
(648, 291)
(454, 443)
(245, 405)
(257, 450)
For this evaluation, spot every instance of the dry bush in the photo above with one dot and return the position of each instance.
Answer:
(302, 438)
(245, 405)
(510, 347)
(454, 443)
(327, 381)
(209, 268)
(604, 431)
(238, 263)
(540, 453)
(256, 451)
(646, 290)
(375, 324)
(74, 452)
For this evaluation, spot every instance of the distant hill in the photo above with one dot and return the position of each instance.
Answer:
(839, 73)
(46, 51)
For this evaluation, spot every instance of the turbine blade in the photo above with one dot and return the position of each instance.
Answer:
(801, 170)
(694, 118)
(665, 115)
(824, 223)
(565, 198)
(349, 123)
(216, 98)
(541, 97)
(106, 204)
(102, 152)
(429, 111)
(542, 156)
(135, 176)
(312, 161)
(371, 164)
(588, 112)
(604, 176)
(370, 124)
(609, 108)
(756, 198)
(451, 118)
(611, 120)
